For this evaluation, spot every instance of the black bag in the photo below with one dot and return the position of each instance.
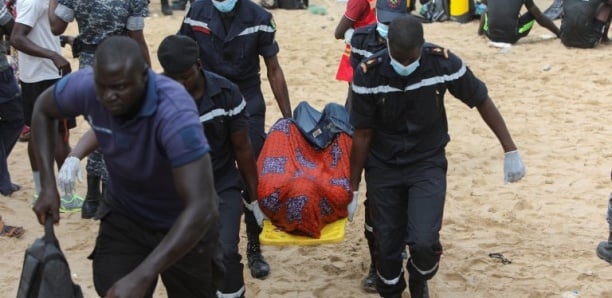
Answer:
(436, 11)
(285, 4)
(45, 270)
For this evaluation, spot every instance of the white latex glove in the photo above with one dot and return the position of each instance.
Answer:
(352, 206)
(514, 169)
(254, 207)
(70, 170)
(348, 34)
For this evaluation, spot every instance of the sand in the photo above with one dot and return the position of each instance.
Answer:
(555, 101)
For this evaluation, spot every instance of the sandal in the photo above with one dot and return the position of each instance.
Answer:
(24, 136)
(10, 231)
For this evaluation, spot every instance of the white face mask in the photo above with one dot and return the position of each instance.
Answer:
(382, 30)
(224, 6)
(404, 70)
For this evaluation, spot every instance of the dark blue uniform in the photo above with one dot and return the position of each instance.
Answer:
(406, 168)
(222, 112)
(503, 22)
(365, 43)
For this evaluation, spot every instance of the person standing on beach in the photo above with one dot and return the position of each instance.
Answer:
(225, 120)
(159, 215)
(232, 36)
(367, 41)
(400, 136)
(98, 20)
(358, 13)
(11, 110)
(41, 64)
(585, 23)
(502, 21)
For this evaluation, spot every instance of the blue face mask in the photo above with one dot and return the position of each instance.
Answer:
(403, 70)
(382, 30)
(224, 6)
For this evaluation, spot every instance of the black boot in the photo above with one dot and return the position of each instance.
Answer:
(179, 5)
(258, 265)
(92, 199)
(165, 8)
(369, 282)
(418, 288)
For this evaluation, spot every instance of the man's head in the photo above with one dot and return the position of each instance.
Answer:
(405, 39)
(179, 57)
(120, 79)
(386, 11)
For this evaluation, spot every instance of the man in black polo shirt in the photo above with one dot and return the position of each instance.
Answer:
(585, 23)
(503, 22)
(400, 134)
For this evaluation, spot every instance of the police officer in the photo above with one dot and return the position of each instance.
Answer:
(502, 21)
(223, 115)
(97, 20)
(232, 34)
(400, 135)
(585, 23)
(365, 42)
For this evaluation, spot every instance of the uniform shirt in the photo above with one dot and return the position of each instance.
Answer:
(365, 43)
(233, 54)
(101, 18)
(577, 21)
(361, 12)
(407, 114)
(34, 14)
(140, 153)
(222, 112)
(502, 19)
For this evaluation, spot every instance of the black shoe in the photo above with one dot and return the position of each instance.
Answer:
(369, 282)
(166, 10)
(258, 265)
(179, 5)
(89, 208)
(418, 288)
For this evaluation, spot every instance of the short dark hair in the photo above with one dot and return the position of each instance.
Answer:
(128, 48)
(406, 32)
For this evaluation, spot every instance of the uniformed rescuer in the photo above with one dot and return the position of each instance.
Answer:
(400, 134)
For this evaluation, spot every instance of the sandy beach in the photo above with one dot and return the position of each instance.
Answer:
(555, 101)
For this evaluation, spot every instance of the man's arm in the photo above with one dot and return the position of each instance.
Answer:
(21, 42)
(543, 20)
(245, 158)
(58, 26)
(87, 144)
(344, 25)
(278, 85)
(194, 183)
(359, 154)
(491, 116)
(44, 133)
(138, 36)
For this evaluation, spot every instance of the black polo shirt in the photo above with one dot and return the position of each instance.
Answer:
(365, 43)
(222, 112)
(503, 19)
(407, 114)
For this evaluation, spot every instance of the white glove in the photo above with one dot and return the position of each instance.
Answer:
(348, 34)
(352, 206)
(70, 170)
(254, 207)
(514, 169)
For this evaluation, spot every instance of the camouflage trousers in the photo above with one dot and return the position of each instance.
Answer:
(96, 166)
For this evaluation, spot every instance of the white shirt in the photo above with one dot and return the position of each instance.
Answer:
(33, 13)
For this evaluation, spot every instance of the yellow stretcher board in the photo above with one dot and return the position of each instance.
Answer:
(331, 233)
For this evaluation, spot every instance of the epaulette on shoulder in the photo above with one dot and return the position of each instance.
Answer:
(437, 51)
(369, 63)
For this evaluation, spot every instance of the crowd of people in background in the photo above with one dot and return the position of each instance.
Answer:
(198, 129)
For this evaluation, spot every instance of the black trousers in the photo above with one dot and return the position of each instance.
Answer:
(11, 123)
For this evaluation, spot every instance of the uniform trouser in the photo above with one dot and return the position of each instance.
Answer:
(368, 231)
(609, 217)
(230, 211)
(123, 244)
(257, 117)
(95, 166)
(409, 201)
(11, 123)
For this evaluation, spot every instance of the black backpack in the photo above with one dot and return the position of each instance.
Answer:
(45, 270)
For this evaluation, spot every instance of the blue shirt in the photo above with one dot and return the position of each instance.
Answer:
(407, 114)
(233, 54)
(222, 112)
(140, 153)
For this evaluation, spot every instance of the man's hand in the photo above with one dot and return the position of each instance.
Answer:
(70, 170)
(63, 66)
(47, 204)
(352, 206)
(254, 207)
(132, 285)
(514, 169)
